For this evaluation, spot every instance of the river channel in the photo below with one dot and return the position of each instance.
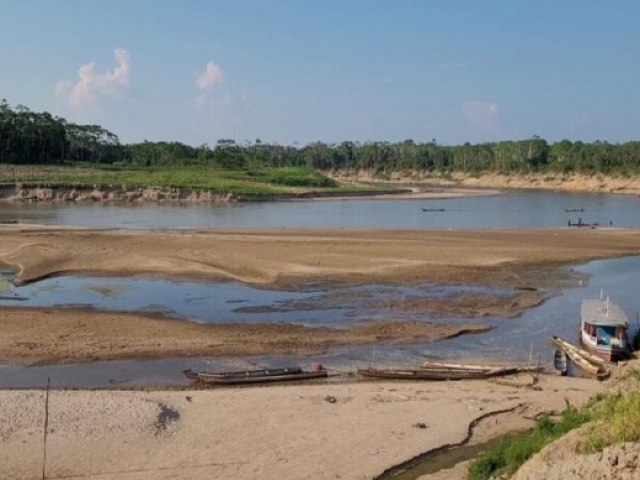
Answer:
(529, 209)
(336, 306)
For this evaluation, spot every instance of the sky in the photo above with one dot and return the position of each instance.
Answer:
(294, 72)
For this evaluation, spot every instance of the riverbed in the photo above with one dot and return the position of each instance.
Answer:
(518, 340)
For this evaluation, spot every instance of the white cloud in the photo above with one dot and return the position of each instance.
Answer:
(482, 115)
(205, 82)
(92, 84)
(212, 74)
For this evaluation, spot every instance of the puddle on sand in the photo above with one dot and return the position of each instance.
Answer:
(436, 461)
(226, 302)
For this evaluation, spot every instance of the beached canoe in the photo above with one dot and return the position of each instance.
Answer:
(576, 355)
(458, 367)
(590, 357)
(426, 374)
(478, 370)
(254, 376)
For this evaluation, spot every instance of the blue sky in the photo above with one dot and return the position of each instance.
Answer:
(300, 71)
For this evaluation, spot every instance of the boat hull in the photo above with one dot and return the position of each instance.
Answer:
(608, 353)
(434, 375)
(254, 377)
(560, 362)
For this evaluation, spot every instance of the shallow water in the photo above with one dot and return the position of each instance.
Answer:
(509, 341)
(225, 302)
(447, 458)
(509, 210)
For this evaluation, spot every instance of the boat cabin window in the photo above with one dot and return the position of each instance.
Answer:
(604, 335)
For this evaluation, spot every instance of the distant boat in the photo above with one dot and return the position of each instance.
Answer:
(560, 362)
(574, 209)
(581, 224)
(433, 210)
(603, 330)
(254, 376)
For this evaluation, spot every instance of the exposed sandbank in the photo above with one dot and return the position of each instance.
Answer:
(283, 257)
(565, 182)
(50, 335)
(278, 258)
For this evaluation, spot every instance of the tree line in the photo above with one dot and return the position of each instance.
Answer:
(40, 138)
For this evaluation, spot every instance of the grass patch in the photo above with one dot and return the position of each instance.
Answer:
(506, 457)
(251, 182)
(294, 177)
(613, 419)
(616, 420)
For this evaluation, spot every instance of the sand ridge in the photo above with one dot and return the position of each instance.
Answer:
(290, 257)
(63, 335)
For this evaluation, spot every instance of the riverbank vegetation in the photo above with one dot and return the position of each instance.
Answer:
(612, 419)
(28, 137)
(509, 454)
(272, 181)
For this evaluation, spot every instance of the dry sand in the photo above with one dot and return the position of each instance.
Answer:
(569, 182)
(247, 433)
(286, 257)
(50, 335)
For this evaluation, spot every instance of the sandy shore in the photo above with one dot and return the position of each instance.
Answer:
(49, 335)
(288, 257)
(565, 182)
(268, 433)
(437, 193)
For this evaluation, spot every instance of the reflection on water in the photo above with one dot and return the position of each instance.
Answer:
(510, 210)
(511, 340)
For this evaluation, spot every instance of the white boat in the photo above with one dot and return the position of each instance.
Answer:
(603, 330)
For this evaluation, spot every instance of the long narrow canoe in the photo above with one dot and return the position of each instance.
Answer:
(480, 370)
(458, 367)
(425, 374)
(254, 376)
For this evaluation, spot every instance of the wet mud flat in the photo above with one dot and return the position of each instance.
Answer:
(70, 319)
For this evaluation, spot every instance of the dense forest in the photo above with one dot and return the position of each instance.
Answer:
(28, 137)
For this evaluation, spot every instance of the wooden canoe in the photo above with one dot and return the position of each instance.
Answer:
(254, 376)
(590, 357)
(584, 365)
(560, 362)
(458, 367)
(480, 370)
(425, 374)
